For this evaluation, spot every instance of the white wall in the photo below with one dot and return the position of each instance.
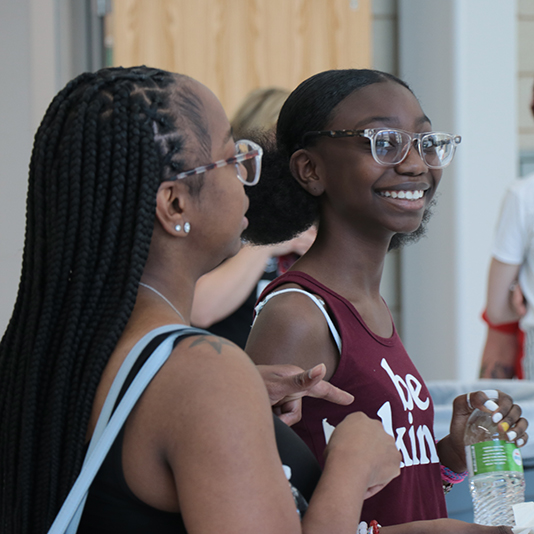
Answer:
(34, 65)
(460, 59)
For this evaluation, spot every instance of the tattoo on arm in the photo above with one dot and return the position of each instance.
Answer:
(214, 341)
(498, 370)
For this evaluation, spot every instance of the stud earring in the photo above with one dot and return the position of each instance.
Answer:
(178, 228)
(187, 227)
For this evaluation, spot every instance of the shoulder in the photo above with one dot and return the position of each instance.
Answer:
(203, 374)
(291, 308)
(202, 361)
(291, 328)
(206, 382)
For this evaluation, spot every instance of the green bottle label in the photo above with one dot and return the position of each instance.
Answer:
(491, 456)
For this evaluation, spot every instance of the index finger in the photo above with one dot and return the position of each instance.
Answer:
(325, 390)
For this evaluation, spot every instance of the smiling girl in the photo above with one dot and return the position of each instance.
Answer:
(356, 154)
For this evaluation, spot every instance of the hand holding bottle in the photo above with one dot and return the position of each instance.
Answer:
(503, 412)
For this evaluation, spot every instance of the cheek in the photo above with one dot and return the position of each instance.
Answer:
(436, 175)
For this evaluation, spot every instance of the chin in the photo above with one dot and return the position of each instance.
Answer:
(407, 238)
(235, 248)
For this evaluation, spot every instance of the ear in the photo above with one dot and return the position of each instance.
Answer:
(304, 168)
(172, 201)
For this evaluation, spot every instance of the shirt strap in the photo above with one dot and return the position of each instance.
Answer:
(320, 304)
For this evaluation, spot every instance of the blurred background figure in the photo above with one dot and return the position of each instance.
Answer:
(509, 314)
(225, 297)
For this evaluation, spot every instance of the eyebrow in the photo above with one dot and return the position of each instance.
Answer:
(389, 120)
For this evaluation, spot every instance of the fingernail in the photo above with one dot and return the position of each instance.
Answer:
(511, 435)
(505, 426)
(491, 393)
(496, 417)
(491, 405)
(520, 442)
(314, 371)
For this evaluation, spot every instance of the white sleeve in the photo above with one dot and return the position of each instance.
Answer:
(511, 237)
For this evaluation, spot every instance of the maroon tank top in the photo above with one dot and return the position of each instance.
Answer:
(386, 386)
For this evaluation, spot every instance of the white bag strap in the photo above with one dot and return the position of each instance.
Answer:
(321, 305)
(69, 516)
(120, 378)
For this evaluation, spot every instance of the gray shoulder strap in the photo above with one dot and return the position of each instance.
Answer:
(320, 304)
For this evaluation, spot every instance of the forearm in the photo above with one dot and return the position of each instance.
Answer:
(443, 526)
(498, 357)
(221, 291)
(499, 307)
(337, 500)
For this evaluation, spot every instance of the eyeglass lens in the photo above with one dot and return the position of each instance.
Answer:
(247, 170)
(436, 149)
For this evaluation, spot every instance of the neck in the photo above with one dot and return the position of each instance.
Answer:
(348, 264)
(164, 298)
(176, 289)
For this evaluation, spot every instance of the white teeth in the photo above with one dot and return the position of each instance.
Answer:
(408, 195)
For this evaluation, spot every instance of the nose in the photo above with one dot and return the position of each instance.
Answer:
(413, 163)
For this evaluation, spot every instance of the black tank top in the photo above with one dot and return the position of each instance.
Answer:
(112, 507)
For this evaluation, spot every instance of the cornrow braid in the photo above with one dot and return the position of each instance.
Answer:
(106, 142)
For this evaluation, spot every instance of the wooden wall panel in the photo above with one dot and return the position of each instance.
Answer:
(234, 46)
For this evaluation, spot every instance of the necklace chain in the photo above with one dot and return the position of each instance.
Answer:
(164, 298)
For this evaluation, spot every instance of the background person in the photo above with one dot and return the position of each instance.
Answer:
(509, 315)
(225, 297)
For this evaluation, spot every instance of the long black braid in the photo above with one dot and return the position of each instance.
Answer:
(105, 144)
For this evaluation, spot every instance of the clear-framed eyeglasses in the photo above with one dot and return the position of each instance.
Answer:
(247, 161)
(390, 146)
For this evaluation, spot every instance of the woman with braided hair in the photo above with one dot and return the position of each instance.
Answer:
(125, 212)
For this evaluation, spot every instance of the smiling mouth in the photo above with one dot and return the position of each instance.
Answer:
(405, 195)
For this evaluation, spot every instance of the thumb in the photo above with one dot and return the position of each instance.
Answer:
(311, 377)
(299, 383)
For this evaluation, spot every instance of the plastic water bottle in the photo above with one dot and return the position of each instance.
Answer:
(495, 470)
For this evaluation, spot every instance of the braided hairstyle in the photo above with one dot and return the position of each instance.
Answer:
(280, 208)
(107, 141)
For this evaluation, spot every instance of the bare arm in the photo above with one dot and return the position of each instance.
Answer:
(498, 357)
(351, 458)
(302, 335)
(221, 291)
(500, 349)
(443, 526)
(218, 427)
(499, 305)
